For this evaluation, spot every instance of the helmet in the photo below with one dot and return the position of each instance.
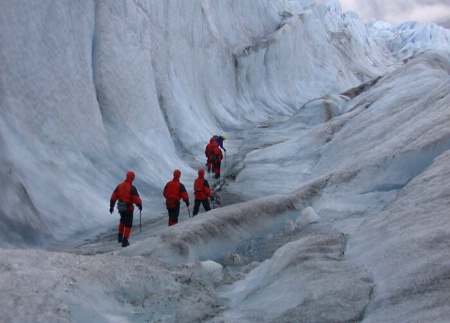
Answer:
(176, 173)
(224, 137)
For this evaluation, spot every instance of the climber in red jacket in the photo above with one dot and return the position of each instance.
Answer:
(174, 191)
(202, 192)
(216, 159)
(126, 194)
(209, 150)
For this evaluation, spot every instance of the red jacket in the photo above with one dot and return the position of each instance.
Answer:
(126, 192)
(201, 187)
(217, 155)
(209, 150)
(174, 191)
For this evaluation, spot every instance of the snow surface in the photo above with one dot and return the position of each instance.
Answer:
(335, 186)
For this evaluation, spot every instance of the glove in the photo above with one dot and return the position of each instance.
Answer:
(187, 203)
(111, 210)
(212, 198)
(224, 150)
(139, 207)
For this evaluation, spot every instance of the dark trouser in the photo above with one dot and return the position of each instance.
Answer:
(210, 165)
(216, 167)
(205, 204)
(126, 217)
(173, 215)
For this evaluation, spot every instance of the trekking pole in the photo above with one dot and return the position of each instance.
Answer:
(214, 201)
(189, 212)
(140, 221)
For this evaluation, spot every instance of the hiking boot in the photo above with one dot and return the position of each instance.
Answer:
(125, 243)
(119, 237)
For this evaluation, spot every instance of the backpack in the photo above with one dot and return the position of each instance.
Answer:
(122, 206)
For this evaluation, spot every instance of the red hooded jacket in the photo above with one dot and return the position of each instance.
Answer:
(201, 187)
(126, 192)
(174, 191)
(209, 150)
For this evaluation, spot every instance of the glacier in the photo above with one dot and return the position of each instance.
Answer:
(335, 198)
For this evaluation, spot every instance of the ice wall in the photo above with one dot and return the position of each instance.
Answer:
(92, 89)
